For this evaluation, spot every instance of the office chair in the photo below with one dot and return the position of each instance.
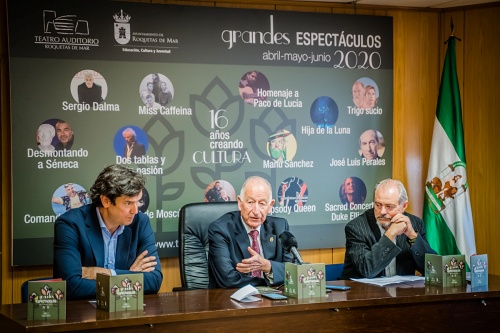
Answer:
(194, 219)
(333, 271)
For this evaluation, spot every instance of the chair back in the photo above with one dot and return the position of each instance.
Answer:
(333, 271)
(194, 219)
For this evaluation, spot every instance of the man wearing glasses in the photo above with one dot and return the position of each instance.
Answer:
(385, 240)
(244, 247)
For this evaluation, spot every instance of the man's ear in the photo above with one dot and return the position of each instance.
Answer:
(405, 205)
(270, 209)
(240, 204)
(105, 201)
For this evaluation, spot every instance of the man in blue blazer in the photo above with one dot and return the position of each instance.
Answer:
(385, 240)
(233, 260)
(109, 236)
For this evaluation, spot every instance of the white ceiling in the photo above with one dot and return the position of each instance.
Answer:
(414, 3)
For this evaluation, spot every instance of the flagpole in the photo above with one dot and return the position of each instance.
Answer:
(452, 28)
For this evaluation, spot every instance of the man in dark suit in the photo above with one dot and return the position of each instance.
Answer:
(89, 92)
(109, 236)
(385, 240)
(236, 258)
(132, 147)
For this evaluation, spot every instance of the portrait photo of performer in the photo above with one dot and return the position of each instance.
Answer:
(293, 192)
(281, 145)
(324, 112)
(132, 147)
(130, 142)
(371, 144)
(352, 191)
(88, 86)
(249, 85)
(365, 93)
(159, 87)
(69, 196)
(218, 191)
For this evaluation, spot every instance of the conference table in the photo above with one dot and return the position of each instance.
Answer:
(413, 307)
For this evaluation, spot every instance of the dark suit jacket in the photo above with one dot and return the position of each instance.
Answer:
(368, 252)
(138, 150)
(89, 95)
(228, 245)
(78, 242)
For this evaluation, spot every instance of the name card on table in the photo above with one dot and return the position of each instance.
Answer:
(479, 272)
(445, 271)
(245, 294)
(120, 292)
(47, 299)
(304, 281)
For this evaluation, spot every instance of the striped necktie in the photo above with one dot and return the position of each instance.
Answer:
(254, 234)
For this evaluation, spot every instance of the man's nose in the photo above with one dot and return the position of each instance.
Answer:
(134, 208)
(255, 209)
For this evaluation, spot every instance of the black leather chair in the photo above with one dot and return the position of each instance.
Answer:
(194, 219)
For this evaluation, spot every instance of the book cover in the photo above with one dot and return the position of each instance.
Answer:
(120, 292)
(445, 271)
(46, 299)
(479, 272)
(304, 281)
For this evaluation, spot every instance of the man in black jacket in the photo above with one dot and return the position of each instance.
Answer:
(385, 240)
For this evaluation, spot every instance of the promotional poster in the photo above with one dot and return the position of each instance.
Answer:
(197, 99)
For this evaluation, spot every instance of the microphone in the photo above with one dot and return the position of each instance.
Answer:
(289, 244)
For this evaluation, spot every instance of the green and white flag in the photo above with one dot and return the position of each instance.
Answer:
(447, 211)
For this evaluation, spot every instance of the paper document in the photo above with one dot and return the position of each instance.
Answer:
(245, 294)
(383, 281)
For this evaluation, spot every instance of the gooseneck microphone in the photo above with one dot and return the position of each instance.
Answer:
(289, 244)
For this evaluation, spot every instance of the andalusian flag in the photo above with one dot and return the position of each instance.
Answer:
(447, 211)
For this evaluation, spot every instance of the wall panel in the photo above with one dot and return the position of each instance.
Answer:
(481, 83)
(415, 95)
